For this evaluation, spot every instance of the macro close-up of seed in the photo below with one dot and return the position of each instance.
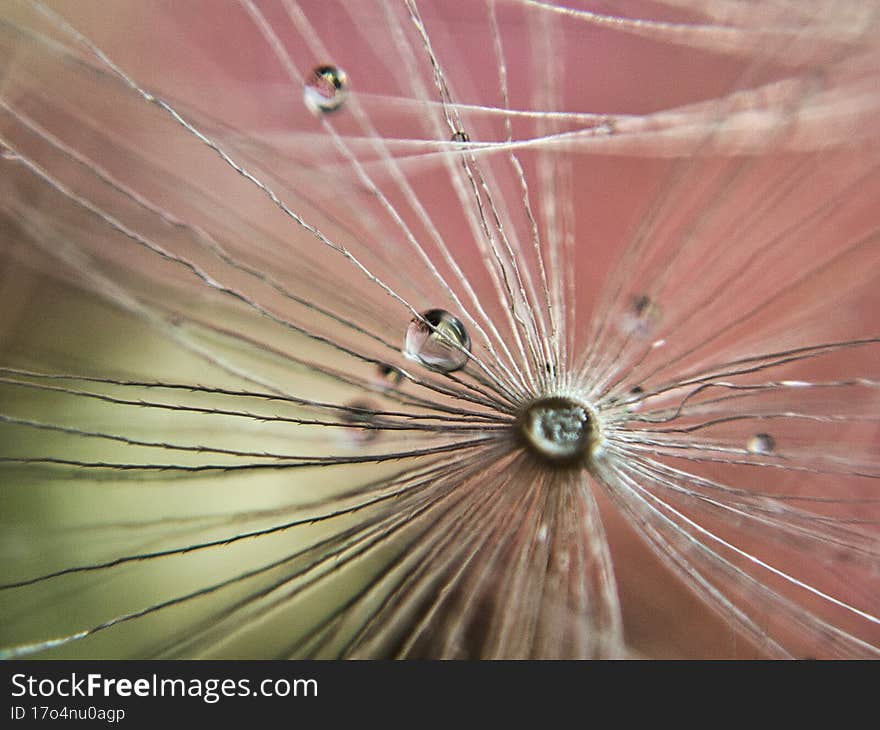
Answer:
(427, 329)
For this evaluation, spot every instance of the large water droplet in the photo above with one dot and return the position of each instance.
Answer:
(761, 443)
(326, 89)
(439, 347)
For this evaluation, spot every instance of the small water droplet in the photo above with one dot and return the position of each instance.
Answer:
(642, 305)
(326, 89)
(607, 126)
(361, 417)
(388, 377)
(635, 401)
(761, 443)
(642, 318)
(461, 136)
(439, 347)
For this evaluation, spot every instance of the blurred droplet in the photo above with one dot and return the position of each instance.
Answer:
(388, 377)
(642, 318)
(636, 400)
(441, 346)
(361, 418)
(326, 89)
(761, 443)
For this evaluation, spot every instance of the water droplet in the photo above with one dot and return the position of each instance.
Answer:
(326, 89)
(761, 443)
(607, 126)
(642, 318)
(361, 417)
(388, 377)
(441, 346)
(635, 402)
(559, 429)
(642, 305)
(461, 137)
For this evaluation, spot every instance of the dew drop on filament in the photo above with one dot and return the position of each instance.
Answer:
(442, 346)
(361, 419)
(642, 318)
(761, 443)
(388, 377)
(326, 89)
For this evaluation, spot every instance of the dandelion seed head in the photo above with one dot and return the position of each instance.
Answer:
(288, 371)
(561, 431)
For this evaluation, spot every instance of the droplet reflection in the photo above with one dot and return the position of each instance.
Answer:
(761, 443)
(326, 89)
(361, 418)
(442, 346)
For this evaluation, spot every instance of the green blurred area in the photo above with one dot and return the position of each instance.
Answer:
(54, 517)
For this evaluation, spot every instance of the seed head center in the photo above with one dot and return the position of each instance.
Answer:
(560, 430)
